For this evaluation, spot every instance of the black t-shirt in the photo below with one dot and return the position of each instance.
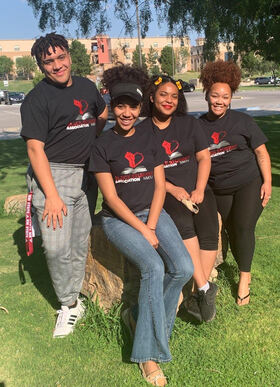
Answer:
(181, 140)
(233, 139)
(63, 118)
(131, 161)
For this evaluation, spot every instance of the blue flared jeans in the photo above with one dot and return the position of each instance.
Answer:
(164, 271)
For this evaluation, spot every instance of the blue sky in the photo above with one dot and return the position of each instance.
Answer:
(18, 22)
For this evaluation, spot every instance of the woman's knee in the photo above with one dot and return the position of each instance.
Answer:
(185, 271)
(153, 269)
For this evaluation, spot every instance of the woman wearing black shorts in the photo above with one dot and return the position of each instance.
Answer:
(187, 168)
(240, 174)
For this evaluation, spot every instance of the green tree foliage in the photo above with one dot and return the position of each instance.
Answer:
(80, 59)
(152, 61)
(167, 60)
(250, 64)
(91, 14)
(26, 65)
(253, 64)
(38, 77)
(6, 66)
(253, 25)
(136, 57)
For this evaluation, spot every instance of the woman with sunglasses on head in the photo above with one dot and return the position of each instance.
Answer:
(187, 168)
(128, 166)
(241, 174)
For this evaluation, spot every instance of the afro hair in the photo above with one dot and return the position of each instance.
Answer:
(220, 71)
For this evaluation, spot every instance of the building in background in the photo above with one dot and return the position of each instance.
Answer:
(226, 51)
(106, 51)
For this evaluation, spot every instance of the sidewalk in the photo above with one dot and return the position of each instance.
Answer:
(256, 111)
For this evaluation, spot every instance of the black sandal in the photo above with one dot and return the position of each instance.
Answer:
(241, 299)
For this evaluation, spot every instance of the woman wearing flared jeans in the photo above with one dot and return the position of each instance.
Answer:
(159, 287)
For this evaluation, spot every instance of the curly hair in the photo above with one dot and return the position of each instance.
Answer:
(220, 71)
(124, 73)
(41, 46)
(151, 89)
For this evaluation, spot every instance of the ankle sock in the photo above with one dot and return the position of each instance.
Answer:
(205, 287)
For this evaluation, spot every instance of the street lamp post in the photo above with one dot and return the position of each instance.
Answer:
(139, 35)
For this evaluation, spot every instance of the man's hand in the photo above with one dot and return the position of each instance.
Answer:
(54, 208)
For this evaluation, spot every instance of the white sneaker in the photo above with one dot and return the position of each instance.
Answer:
(67, 319)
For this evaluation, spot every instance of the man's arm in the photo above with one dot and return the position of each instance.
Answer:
(54, 206)
(101, 121)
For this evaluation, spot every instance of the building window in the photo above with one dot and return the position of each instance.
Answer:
(102, 48)
(16, 48)
(169, 44)
(182, 43)
(155, 44)
(0, 48)
(94, 47)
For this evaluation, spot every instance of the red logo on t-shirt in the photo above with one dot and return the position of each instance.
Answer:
(217, 137)
(170, 147)
(131, 157)
(84, 119)
(82, 105)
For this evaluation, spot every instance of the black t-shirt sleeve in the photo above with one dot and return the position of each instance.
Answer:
(34, 117)
(98, 160)
(256, 137)
(200, 138)
(159, 153)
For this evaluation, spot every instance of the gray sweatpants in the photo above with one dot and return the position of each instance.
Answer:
(66, 248)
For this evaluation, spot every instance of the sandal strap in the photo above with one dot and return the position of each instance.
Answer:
(243, 298)
(154, 376)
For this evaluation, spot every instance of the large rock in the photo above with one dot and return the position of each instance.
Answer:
(15, 204)
(110, 277)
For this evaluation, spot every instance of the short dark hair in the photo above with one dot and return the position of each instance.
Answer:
(42, 45)
(155, 82)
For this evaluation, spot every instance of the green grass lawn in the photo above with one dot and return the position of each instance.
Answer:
(239, 348)
(24, 86)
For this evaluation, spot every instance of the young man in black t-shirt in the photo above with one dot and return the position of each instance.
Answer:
(60, 119)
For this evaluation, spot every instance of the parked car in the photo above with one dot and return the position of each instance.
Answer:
(2, 95)
(263, 81)
(187, 86)
(13, 97)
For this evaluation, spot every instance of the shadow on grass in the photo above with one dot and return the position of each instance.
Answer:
(35, 265)
(13, 154)
(229, 272)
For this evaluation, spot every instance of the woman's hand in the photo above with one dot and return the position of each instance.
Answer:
(197, 196)
(151, 237)
(263, 160)
(179, 193)
(265, 193)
